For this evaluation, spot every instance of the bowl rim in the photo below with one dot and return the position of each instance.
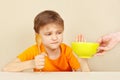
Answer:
(84, 43)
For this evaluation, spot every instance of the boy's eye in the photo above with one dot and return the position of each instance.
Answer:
(48, 34)
(59, 32)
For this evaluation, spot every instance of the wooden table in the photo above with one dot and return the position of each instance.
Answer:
(60, 76)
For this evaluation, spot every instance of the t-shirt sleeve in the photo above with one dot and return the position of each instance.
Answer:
(28, 54)
(73, 61)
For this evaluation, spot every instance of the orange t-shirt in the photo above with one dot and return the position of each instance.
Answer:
(65, 62)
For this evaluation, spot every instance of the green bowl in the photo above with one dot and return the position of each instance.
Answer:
(85, 49)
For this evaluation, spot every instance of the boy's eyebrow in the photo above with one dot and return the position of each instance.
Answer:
(51, 32)
(47, 32)
(60, 30)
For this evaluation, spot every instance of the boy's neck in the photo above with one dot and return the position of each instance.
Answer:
(53, 53)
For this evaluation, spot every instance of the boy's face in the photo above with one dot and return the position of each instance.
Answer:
(52, 35)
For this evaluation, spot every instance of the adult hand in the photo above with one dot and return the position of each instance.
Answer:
(108, 42)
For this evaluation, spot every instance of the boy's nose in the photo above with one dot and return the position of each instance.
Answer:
(54, 37)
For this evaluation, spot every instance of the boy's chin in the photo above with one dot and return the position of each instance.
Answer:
(54, 47)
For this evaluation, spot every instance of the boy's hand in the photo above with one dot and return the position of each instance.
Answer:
(83, 61)
(40, 61)
(80, 38)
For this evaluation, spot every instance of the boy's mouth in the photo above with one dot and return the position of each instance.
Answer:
(54, 42)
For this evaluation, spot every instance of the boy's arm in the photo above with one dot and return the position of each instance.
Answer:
(16, 65)
(83, 62)
(84, 67)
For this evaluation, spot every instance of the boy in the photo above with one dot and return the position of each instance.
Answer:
(49, 54)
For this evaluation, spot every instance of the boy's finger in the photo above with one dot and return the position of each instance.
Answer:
(83, 39)
(44, 54)
(79, 37)
(40, 64)
(39, 67)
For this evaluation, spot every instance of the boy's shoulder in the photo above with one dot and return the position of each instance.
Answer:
(34, 46)
(65, 45)
(65, 48)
